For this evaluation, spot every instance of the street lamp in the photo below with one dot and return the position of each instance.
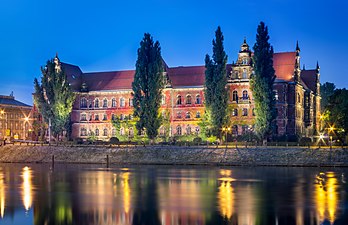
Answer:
(226, 130)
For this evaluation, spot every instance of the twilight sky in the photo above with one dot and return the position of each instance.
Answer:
(104, 35)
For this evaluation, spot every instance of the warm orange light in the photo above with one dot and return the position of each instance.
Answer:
(26, 119)
(27, 194)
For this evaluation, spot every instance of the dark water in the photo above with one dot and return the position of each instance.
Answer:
(36, 194)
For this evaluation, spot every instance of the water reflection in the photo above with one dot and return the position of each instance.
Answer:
(27, 193)
(173, 196)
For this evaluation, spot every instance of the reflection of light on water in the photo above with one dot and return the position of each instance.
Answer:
(226, 194)
(27, 187)
(2, 195)
(326, 196)
(126, 192)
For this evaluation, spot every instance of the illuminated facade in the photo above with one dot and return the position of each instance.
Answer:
(102, 96)
(15, 118)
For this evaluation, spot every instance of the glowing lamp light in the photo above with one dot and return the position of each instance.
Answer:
(321, 136)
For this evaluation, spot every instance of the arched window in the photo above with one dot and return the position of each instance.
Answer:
(105, 133)
(122, 102)
(178, 100)
(105, 103)
(113, 103)
(235, 96)
(131, 132)
(96, 103)
(245, 61)
(178, 130)
(113, 132)
(121, 131)
(130, 102)
(97, 132)
(198, 99)
(235, 112)
(298, 98)
(188, 130)
(83, 117)
(235, 130)
(178, 115)
(162, 131)
(245, 112)
(83, 132)
(105, 117)
(113, 117)
(188, 100)
(244, 76)
(198, 114)
(188, 115)
(163, 100)
(83, 103)
(90, 104)
(96, 117)
(245, 95)
(197, 130)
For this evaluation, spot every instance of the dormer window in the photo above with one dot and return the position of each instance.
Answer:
(245, 61)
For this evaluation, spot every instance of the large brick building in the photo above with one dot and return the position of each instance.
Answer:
(102, 96)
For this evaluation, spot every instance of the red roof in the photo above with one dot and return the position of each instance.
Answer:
(284, 65)
(186, 76)
(109, 80)
(309, 77)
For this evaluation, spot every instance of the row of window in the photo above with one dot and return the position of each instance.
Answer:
(105, 117)
(188, 100)
(188, 130)
(245, 112)
(235, 97)
(96, 132)
(187, 115)
(84, 103)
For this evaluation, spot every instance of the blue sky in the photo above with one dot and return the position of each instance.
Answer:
(105, 34)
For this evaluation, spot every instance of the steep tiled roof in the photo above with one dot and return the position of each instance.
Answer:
(8, 100)
(187, 76)
(309, 78)
(73, 74)
(109, 80)
(284, 65)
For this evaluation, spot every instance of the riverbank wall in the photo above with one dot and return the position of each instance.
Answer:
(176, 155)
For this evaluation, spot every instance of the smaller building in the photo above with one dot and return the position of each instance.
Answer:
(15, 119)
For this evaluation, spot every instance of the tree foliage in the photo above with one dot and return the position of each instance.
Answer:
(262, 83)
(215, 84)
(326, 90)
(54, 97)
(147, 86)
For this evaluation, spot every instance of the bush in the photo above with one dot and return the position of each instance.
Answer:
(114, 141)
(305, 141)
(197, 140)
(78, 141)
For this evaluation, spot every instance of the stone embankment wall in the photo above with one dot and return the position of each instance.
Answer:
(260, 156)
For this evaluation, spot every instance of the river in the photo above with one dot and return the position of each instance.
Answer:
(172, 195)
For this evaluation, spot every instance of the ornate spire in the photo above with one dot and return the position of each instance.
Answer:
(57, 64)
(244, 47)
(297, 47)
(318, 67)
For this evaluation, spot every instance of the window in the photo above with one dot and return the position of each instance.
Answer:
(235, 112)
(105, 117)
(188, 115)
(178, 100)
(235, 130)
(245, 61)
(163, 100)
(83, 103)
(244, 76)
(113, 132)
(97, 132)
(90, 104)
(245, 129)
(197, 130)
(96, 117)
(188, 99)
(198, 99)
(130, 103)
(122, 131)
(245, 95)
(105, 103)
(298, 98)
(122, 102)
(113, 103)
(83, 132)
(235, 96)
(198, 114)
(105, 133)
(245, 112)
(121, 117)
(188, 130)
(96, 103)
(178, 130)
(178, 115)
(162, 131)
(113, 117)
(83, 117)
(276, 95)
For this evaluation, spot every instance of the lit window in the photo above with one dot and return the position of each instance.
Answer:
(96, 117)
(83, 132)
(113, 103)
(197, 130)
(178, 100)
(83, 104)
(178, 115)
(188, 99)
(163, 100)
(131, 102)
(245, 95)
(113, 132)
(198, 99)
(83, 117)
(105, 103)
(188, 130)
(105, 133)
(122, 131)
(245, 112)
(235, 96)
(235, 112)
(122, 102)
(178, 130)
(188, 115)
(105, 117)
(97, 132)
(244, 76)
(198, 114)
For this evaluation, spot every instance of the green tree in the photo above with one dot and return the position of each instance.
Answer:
(147, 86)
(215, 84)
(54, 97)
(262, 84)
(336, 111)
(326, 90)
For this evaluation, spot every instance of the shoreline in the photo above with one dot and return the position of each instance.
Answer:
(176, 155)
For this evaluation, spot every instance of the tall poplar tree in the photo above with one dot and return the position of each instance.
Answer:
(215, 84)
(54, 97)
(262, 84)
(147, 86)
